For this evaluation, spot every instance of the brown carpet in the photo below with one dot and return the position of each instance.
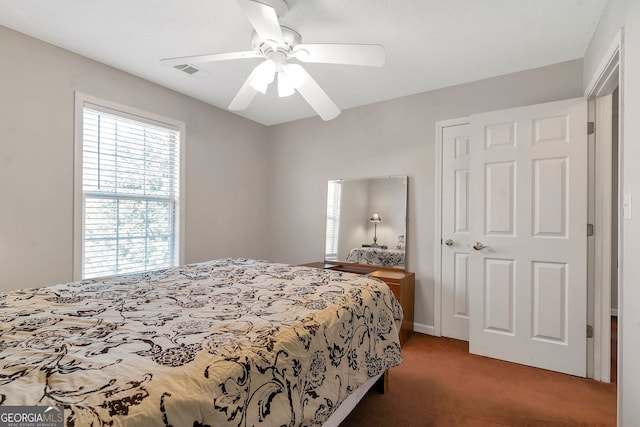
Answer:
(441, 384)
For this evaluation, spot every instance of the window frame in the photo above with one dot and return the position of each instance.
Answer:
(83, 100)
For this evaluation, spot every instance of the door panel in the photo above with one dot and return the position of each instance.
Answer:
(550, 301)
(499, 295)
(528, 204)
(461, 203)
(550, 198)
(499, 200)
(461, 286)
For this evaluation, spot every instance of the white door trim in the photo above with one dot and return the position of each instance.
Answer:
(437, 243)
(602, 237)
(606, 78)
(610, 61)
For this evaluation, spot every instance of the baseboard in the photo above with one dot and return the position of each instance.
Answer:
(614, 312)
(425, 329)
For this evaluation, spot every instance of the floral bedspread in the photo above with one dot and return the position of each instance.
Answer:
(377, 256)
(231, 342)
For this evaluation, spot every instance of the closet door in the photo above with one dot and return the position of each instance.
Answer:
(455, 232)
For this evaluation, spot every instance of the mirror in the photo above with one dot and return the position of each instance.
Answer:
(366, 221)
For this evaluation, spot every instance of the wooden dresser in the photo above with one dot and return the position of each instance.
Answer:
(402, 284)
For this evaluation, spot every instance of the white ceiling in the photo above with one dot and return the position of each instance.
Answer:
(429, 44)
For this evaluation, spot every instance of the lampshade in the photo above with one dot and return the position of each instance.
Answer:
(375, 217)
(263, 76)
(295, 74)
(284, 85)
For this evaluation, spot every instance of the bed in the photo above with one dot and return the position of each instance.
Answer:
(231, 342)
(377, 256)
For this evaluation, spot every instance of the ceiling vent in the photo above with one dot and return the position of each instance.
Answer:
(189, 69)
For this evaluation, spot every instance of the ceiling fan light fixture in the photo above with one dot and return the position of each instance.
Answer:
(296, 75)
(263, 75)
(285, 88)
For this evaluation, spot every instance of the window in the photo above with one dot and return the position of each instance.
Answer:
(333, 219)
(130, 183)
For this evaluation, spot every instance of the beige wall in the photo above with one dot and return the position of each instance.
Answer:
(390, 138)
(626, 13)
(226, 172)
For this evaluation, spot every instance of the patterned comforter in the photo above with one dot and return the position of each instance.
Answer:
(377, 256)
(228, 342)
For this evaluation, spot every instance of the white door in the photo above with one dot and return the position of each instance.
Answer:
(455, 232)
(528, 198)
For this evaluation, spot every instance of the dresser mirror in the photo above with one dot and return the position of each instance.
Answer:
(367, 221)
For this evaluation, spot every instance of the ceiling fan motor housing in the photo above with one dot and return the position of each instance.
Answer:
(265, 47)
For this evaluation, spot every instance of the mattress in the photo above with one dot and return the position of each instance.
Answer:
(231, 342)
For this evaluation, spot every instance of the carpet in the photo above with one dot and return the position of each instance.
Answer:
(440, 384)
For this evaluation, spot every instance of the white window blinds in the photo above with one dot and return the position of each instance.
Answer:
(334, 191)
(130, 194)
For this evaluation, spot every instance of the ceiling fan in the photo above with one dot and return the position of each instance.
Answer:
(278, 45)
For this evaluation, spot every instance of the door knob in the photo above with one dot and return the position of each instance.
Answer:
(478, 246)
(448, 242)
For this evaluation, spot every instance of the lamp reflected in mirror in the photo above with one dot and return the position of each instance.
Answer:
(375, 219)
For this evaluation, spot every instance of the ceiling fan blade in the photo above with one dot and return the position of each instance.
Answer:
(196, 59)
(264, 20)
(313, 93)
(245, 95)
(351, 54)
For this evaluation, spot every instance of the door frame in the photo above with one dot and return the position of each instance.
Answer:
(607, 77)
(437, 243)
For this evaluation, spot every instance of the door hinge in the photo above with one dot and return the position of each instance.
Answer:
(591, 128)
(589, 331)
(589, 229)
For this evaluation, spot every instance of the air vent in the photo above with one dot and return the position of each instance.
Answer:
(189, 69)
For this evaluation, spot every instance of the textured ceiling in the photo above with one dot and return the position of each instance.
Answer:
(429, 43)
